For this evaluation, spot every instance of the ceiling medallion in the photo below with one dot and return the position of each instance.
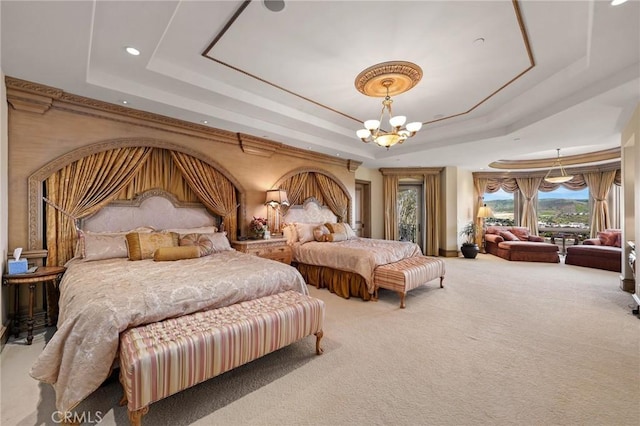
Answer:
(403, 76)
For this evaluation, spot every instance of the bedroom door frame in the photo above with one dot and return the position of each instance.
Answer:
(418, 188)
(362, 225)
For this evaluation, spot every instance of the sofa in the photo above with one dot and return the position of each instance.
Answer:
(603, 252)
(516, 243)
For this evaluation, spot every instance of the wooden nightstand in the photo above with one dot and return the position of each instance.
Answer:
(42, 275)
(274, 248)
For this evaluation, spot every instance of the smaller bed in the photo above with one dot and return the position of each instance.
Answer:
(329, 254)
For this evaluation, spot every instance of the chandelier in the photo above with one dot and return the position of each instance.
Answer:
(388, 78)
(562, 177)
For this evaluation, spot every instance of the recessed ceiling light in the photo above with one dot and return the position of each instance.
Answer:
(132, 51)
(125, 102)
(274, 5)
(617, 2)
(338, 155)
(205, 122)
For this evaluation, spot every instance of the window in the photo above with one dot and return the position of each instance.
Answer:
(410, 213)
(502, 205)
(563, 208)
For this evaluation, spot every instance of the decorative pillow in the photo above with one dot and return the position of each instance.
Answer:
(521, 233)
(319, 233)
(207, 243)
(349, 231)
(290, 233)
(176, 253)
(618, 241)
(334, 227)
(104, 245)
(305, 231)
(508, 236)
(607, 238)
(142, 246)
(336, 236)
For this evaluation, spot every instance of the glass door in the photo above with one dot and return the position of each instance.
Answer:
(410, 213)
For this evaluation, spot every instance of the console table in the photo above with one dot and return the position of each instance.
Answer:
(42, 275)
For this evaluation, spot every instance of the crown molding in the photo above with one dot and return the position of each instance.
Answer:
(615, 165)
(38, 98)
(591, 157)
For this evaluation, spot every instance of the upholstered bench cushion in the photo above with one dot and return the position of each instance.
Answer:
(528, 246)
(600, 257)
(409, 273)
(160, 359)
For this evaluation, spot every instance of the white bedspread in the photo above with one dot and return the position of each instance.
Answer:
(101, 299)
(359, 255)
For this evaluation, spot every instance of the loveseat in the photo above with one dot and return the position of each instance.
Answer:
(603, 252)
(516, 243)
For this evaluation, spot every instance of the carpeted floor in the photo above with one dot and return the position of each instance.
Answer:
(504, 343)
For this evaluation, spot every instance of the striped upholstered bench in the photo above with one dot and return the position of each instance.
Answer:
(407, 274)
(160, 359)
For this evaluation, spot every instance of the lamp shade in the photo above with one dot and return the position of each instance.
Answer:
(277, 197)
(485, 212)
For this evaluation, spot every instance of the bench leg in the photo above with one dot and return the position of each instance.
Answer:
(441, 279)
(319, 349)
(402, 296)
(135, 417)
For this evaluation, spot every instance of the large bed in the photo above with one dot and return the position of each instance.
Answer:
(103, 294)
(345, 267)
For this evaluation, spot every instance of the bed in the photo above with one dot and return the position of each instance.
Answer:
(343, 264)
(102, 294)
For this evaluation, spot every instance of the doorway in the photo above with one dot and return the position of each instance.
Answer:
(410, 213)
(363, 209)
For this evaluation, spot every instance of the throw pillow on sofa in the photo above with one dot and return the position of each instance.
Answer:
(608, 238)
(509, 236)
(521, 233)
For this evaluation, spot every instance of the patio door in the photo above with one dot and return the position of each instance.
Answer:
(410, 213)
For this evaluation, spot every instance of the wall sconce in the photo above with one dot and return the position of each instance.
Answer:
(276, 198)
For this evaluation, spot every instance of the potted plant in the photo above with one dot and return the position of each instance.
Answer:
(469, 247)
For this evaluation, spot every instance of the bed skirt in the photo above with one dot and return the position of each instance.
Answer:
(344, 284)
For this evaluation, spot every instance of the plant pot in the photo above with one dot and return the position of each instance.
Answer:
(470, 251)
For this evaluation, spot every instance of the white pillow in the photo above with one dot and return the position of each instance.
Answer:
(289, 232)
(305, 231)
(349, 231)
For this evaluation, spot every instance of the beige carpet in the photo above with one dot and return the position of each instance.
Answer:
(504, 343)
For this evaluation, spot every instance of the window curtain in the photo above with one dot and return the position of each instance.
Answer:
(159, 171)
(334, 196)
(81, 189)
(599, 184)
(213, 189)
(529, 189)
(432, 203)
(390, 195)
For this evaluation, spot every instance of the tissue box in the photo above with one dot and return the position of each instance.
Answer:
(18, 266)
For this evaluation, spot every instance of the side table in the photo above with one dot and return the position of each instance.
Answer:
(43, 274)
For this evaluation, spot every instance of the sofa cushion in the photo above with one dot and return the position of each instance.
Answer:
(608, 238)
(593, 250)
(527, 246)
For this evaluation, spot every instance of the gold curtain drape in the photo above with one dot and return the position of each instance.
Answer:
(529, 189)
(599, 184)
(334, 196)
(213, 189)
(81, 189)
(159, 171)
(390, 196)
(432, 203)
(294, 187)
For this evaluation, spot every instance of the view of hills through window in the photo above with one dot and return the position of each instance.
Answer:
(562, 208)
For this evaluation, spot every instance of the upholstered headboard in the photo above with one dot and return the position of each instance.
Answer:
(156, 208)
(310, 212)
